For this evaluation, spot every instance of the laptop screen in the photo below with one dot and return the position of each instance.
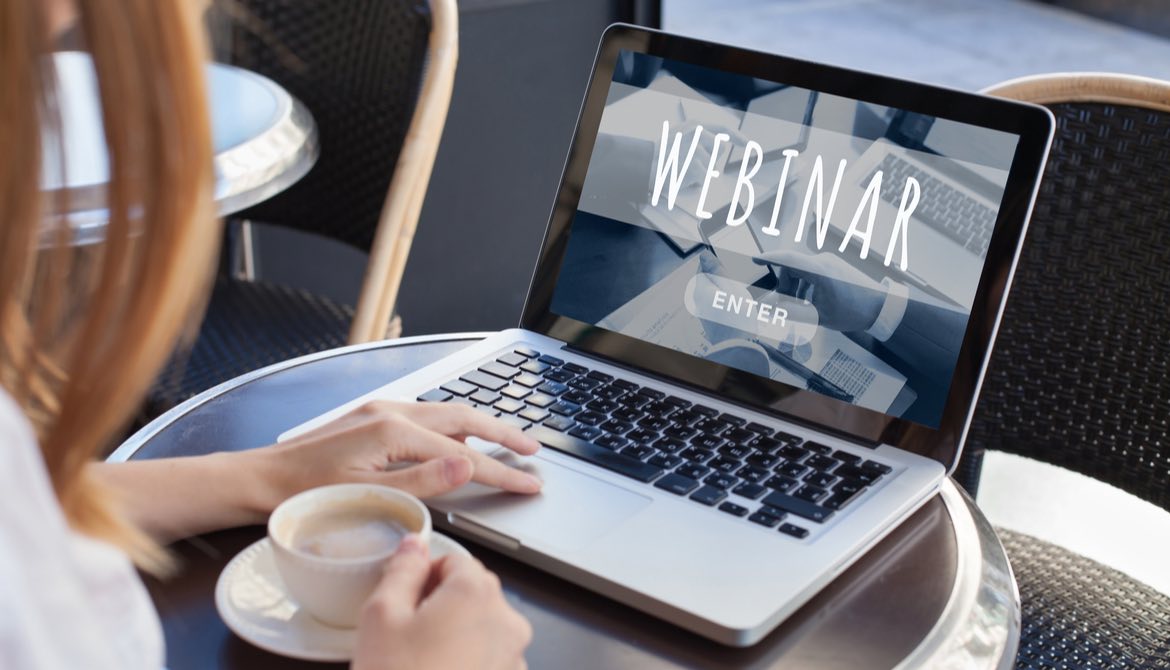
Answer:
(822, 242)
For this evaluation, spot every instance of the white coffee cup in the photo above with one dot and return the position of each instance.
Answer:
(333, 588)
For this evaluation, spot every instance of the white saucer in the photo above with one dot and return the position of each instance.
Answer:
(251, 600)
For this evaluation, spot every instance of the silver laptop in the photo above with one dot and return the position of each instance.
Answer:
(732, 412)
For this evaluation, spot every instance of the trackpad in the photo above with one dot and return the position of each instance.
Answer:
(571, 511)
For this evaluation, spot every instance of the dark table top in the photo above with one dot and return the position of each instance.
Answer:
(936, 590)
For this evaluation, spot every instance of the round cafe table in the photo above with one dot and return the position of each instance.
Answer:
(264, 140)
(936, 593)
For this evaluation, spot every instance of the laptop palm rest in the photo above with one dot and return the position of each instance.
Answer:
(572, 511)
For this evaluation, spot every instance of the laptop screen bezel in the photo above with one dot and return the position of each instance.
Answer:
(1033, 125)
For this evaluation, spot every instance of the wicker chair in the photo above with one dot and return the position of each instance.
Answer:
(1080, 374)
(377, 76)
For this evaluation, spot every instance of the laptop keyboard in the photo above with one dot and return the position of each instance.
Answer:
(744, 468)
(945, 208)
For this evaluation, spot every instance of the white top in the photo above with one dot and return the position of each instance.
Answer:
(66, 601)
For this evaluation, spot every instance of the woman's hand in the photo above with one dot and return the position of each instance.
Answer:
(439, 615)
(416, 447)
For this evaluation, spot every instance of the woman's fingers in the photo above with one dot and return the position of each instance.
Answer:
(463, 421)
(402, 586)
(431, 478)
(423, 444)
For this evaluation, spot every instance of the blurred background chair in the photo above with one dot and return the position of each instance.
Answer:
(377, 76)
(1080, 374)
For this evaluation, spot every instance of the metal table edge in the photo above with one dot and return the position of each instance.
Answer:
(132, 444)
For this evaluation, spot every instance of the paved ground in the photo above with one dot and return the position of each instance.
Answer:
(966, 44)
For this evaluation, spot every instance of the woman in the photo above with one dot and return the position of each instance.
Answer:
(83, 332)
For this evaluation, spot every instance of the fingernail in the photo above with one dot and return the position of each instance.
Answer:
(412, 544)
(456, 469)
(533, 442)
(534, 483)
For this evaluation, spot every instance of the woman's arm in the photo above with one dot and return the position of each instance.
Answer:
(172, 498)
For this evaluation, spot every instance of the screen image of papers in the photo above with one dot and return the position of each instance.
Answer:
(658, 315)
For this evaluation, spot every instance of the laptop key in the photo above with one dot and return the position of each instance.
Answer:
(561, 423)
(610, 392)
(499, 370)
(655, 423)
(516, 392)
(848, 486)
(676, 401)
(735, 451)
(540, 400)
(787, 438)
(846, 457)
(801, 508)
(817, 447)
(591, 418)
(712, 426)
(642, 436)
(564, 408)
(749, 490)
(552, 388)
(600, 376)
(708, 495)
(753, 474)
(791, 469)
(653, 394)
(739, 435)
(459, 387)
(759, 428)
(616, 427)
(879, 468)
(732, 419)
(513, 359)
(811, 493)
(764, 519)
(602, 405)
(535, 414)
(781, 483)
(484, 380)
(535, 367)
(665, 461)
(692, 470)
(733, 509)
(677, 484)
(527, 352)
(822, 463)
(686, 417)
(724, 464)
(613, 442)
(697, 455)
(638, 451)
(707, 441)
(591, 453)
(625, 384)
(559, 375)
(704, 410)
(635, 400)
(434, 395)
(681, 432)
(669, 445)
(509, 406)
(820, 479)
(857, 474)
(528, 379)
(586, 432)
(793, 452)
(484, 397)
(721, 480)
(584, 383)
(550, 360)
(575, 369)
(627, 414)
(763, 460)
(794, 530)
